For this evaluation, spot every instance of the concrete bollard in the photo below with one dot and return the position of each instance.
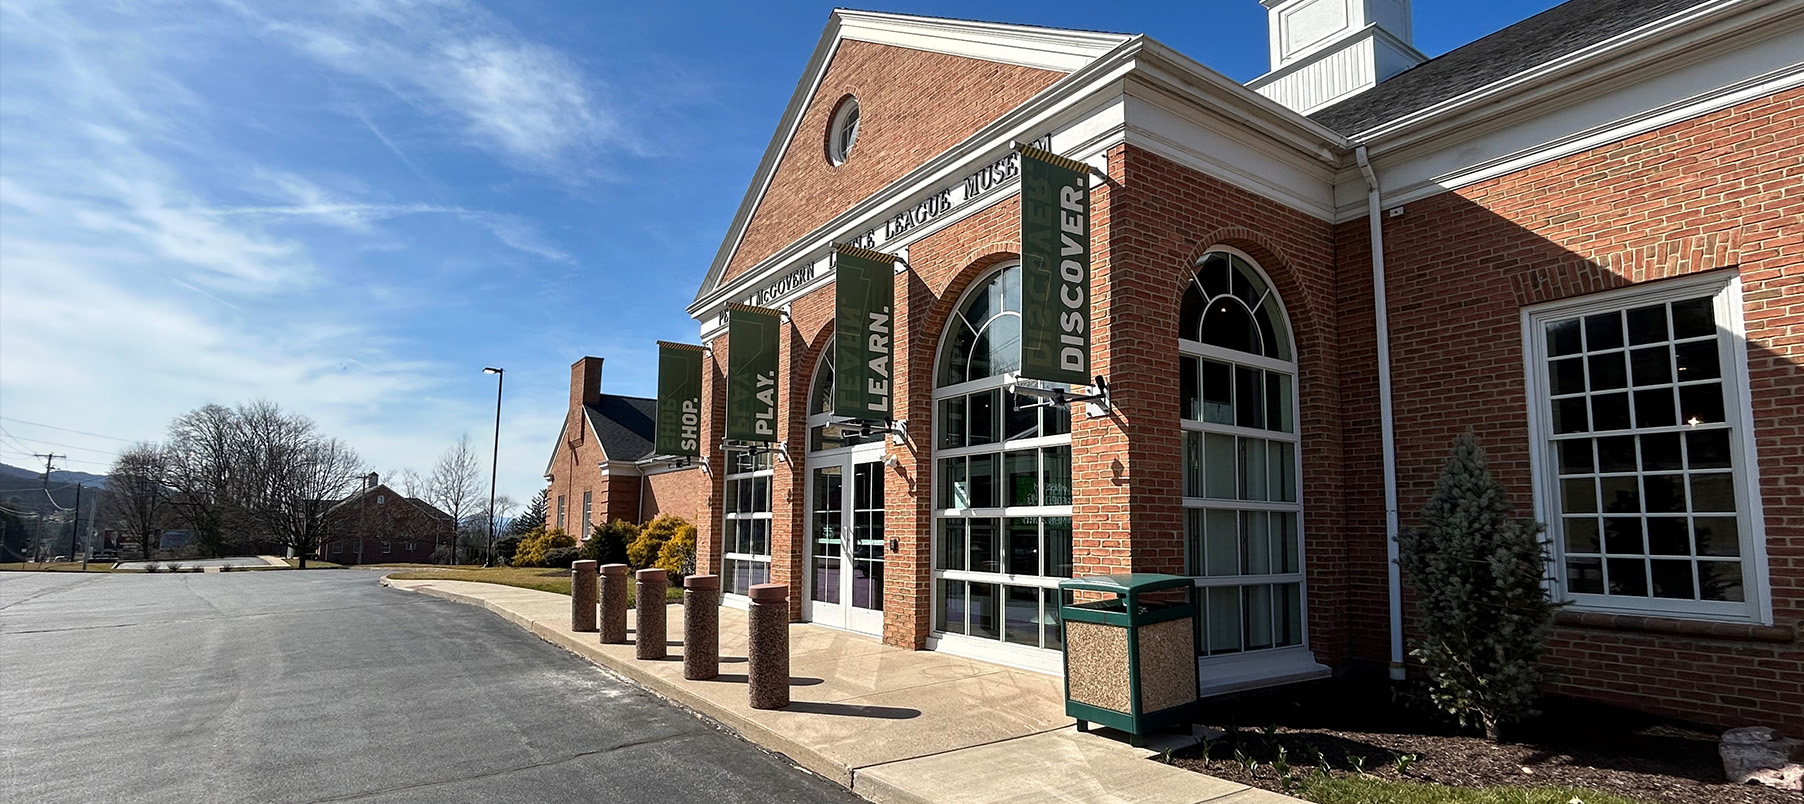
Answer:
(582, 595)
(701, 627)
(649, 643)
(613, 604)
(767, 646)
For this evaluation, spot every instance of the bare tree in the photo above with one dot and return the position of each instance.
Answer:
(455, 486)
(407, 481)
(137, 494)
(205, 458)
(302, 476)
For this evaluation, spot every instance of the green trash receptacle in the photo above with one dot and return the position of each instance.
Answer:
(1130, 662)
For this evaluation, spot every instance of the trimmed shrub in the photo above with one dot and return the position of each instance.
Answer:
(677, 556)
(642, 552)
(608, 541)
(1477, 571)
(560, 557)
(535, 547)
(505, 549)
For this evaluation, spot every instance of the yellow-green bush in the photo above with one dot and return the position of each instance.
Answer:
(677, 556)
(644, 550)
(535, 547)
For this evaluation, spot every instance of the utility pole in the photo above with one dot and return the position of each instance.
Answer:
(48, 458)
(75, 530)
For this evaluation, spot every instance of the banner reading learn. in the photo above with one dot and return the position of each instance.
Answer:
(752, 346)
(679, 399)
(1055, 268)
(865, 287)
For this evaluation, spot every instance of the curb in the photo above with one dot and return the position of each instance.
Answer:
(764, 737)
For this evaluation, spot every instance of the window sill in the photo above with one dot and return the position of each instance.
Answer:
(1742, 632)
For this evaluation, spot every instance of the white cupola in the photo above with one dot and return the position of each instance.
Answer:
(1325, 51)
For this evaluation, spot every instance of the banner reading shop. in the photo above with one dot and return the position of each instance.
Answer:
(752, 344)
(1055, 268)
(679, 430)
(865, 285)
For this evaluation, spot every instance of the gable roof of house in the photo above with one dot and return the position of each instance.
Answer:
(625, 426)
(1056, 49)
(428, 508)
(1549, 36)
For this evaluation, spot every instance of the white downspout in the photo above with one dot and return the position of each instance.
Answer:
(1387, 435)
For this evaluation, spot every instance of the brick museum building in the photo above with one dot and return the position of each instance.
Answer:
(602, 467)
(1580, 239)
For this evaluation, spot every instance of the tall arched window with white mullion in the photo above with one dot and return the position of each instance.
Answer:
(1002, 483)
(1242, 508)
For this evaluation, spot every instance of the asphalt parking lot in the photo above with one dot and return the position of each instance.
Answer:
(320, 686)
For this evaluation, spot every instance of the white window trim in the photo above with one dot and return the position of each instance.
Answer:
(1726, 288)
(1251, 669)
(996, 650)
(729, 516)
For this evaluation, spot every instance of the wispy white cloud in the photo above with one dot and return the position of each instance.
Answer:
(148, 266)
(528, 102)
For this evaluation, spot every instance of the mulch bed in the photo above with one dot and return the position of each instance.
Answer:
(1573, 744)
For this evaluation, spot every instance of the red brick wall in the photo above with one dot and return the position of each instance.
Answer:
(1712, 193)
(679, 493)
(912, 106)
(574, 470)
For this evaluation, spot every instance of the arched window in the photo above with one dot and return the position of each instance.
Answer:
(1242, 510)
(823, 433)
(1002, 481)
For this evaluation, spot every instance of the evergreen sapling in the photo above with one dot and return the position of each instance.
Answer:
(1477, 571)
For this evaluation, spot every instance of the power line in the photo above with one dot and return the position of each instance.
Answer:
(27, 454)
(67, 430)
(55, 443)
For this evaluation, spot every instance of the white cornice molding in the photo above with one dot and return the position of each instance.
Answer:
(1650, 46)
(1020, 45)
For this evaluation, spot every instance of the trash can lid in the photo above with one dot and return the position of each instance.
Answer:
(1125, 583)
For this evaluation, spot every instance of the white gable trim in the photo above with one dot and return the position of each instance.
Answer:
(1027, 46)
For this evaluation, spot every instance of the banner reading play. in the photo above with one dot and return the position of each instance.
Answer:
(865, 286)
(1055, 268)
(752, 345)
(679, 399)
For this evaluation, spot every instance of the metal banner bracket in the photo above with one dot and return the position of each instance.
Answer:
(1095, 397)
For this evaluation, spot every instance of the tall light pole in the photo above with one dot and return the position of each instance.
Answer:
(494, 461)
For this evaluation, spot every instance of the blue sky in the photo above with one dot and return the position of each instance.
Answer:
(352, 206)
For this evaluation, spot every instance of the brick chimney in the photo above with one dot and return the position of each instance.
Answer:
(1324, 51)
(585, 381)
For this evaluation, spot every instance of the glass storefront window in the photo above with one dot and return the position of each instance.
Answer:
(1002, 482)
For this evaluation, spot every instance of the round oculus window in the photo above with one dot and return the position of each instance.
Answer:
(842, 133)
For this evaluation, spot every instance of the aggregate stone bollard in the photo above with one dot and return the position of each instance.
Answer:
(701, 627)
(649, 642)
(613, 604)
(767, 646)
(582, 595)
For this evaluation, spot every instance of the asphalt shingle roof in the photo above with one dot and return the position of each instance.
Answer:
(625, 425)
(1559, 31)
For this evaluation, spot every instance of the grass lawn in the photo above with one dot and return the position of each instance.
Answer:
(542, 579)
(313, 563)
(1373, 790)
(59, 566)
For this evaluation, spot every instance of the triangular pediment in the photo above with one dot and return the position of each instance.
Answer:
(923, 85)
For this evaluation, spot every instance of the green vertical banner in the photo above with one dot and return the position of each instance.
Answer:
(865, 289)
(679, 426)
(752, 345)
(1055, 268)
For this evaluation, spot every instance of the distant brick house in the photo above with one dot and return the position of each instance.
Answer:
(603, 467)
(378, 525)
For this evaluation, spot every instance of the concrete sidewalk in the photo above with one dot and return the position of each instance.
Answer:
(893, 725)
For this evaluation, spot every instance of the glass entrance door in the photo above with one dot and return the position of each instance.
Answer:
(845, 540)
